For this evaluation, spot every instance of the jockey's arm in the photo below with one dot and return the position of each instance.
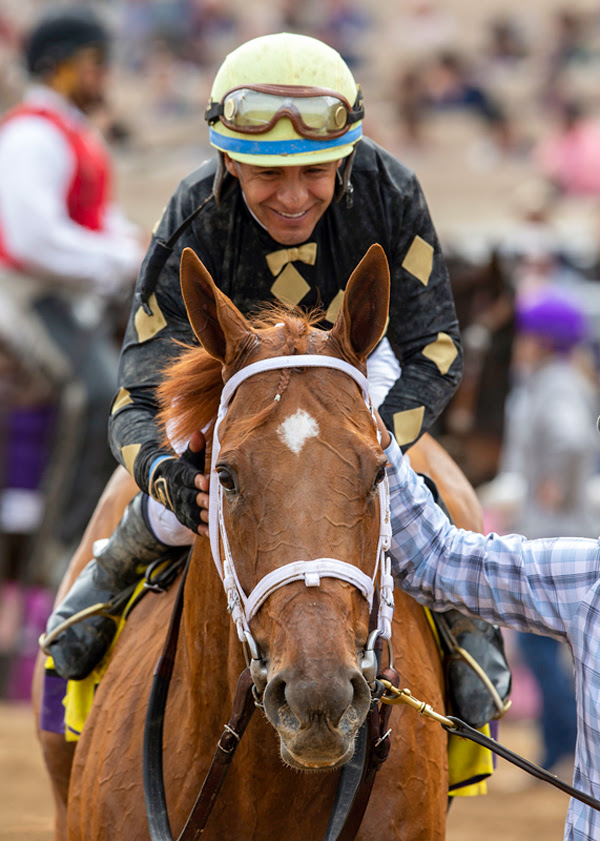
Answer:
(423, 328)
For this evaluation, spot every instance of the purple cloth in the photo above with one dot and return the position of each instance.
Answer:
(554, 315)
(28, 443)
(52, 713)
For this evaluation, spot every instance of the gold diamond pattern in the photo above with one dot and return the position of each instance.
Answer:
(419, 260)
(290, 287)
(442, 352)
(147, 326)
(129, 453)
(123, 398)
(407, 424)
(334, 307)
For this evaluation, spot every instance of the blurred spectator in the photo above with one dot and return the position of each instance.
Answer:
(449, 84)
(569, 157)
(209, 33)
(443, 84)
(572, 31)
(506, 42)
(65, 252)
(550, 455)
(344, 28)
(425, 27)
(571, 51)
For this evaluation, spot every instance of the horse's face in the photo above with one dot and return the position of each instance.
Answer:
(300, 466)
(304, 485)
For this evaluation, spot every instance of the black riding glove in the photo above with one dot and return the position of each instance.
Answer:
(172, 484)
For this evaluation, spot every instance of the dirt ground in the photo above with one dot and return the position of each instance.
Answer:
(514, 809)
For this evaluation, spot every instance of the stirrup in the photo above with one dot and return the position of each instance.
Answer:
(111, 609)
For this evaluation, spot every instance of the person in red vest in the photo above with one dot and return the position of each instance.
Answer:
(66, 251)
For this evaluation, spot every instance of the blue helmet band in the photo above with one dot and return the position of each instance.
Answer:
(300, 145)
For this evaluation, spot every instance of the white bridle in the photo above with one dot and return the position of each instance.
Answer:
(243, 607)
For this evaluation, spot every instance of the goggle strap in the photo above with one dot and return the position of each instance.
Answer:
(213, 112)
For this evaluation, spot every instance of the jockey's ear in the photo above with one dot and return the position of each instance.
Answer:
(362, 319)
(215, 319)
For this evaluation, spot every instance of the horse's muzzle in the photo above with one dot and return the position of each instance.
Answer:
(317, 719)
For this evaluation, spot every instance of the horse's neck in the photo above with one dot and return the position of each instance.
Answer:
(209, 642)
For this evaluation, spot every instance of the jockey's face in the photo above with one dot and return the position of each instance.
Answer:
(287, 200)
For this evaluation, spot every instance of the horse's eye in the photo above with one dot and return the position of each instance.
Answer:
(226, 479)
(379, 477)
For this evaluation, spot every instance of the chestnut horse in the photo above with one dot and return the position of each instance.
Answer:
(299, 467)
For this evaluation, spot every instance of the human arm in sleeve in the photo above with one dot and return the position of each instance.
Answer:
(37, 166)
(423, 328)
(529, 585)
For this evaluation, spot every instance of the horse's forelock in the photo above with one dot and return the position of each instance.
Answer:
(191, 389)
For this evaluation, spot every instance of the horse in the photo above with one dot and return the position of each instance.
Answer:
(299, 471)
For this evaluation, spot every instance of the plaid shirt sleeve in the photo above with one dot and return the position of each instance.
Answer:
(530, 585)
(548, 586)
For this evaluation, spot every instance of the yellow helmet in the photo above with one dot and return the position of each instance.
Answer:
(284, 100)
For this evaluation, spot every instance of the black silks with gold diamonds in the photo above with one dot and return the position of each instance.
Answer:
(388, 208)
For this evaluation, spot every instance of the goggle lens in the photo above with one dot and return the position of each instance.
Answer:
(255, 111)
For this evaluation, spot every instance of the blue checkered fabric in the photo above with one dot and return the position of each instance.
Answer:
(546, 586)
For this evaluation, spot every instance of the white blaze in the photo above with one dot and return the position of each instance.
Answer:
(297, 429)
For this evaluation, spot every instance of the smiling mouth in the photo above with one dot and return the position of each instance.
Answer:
(291, 215)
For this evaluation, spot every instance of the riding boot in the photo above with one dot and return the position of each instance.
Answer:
(478, 677)
(118, 563)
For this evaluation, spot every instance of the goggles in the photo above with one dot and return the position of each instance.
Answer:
(315, 113)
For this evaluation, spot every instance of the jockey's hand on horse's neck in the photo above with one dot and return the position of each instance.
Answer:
(202, 500)
(202, 480)
(196, 445)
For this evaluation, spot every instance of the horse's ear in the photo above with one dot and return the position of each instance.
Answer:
(363, 317)
(215, 319)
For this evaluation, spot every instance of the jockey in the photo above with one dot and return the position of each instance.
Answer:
(284, 212)
(65, 250)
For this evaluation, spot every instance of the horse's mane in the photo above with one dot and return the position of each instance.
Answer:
(190, 391)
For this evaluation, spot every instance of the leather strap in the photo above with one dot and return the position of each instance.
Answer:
(378, 749)
(154, 788)
(243, 707)
(461, 728)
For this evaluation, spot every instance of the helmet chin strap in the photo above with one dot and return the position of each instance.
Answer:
(343, 186)
(222, 182)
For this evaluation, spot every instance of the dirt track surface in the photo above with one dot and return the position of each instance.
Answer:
(514, 810)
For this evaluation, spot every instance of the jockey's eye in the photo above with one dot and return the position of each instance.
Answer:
(227, 479)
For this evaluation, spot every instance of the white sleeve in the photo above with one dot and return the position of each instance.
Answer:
(36, 166)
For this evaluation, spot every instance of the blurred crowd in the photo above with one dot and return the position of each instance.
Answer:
(516, 88)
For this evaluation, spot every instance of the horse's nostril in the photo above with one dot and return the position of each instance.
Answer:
(274, 698)
(362, 694)
(293, 701)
